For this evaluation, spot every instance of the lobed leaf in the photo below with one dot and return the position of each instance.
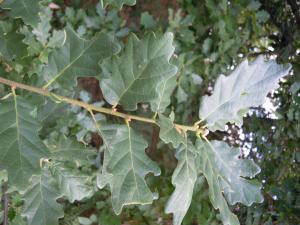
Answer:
(164, 90)
(184, 178)
(71, 184)
(40, 201)
(78, 58)
(20, 148)
(225, 173)
(247, 86)
(27, 10)
(168, 132)
(125, 166)
(11, 45)
(134, 76)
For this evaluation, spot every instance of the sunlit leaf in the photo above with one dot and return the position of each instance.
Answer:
(247, 86)
(225, 173)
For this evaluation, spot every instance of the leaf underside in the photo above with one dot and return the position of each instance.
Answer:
(225, 173)
(247, 86)
(184, 178)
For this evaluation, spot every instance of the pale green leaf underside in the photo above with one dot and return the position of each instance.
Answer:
(133, 76)
(73, 185)
(125, 167)
(40, 201)
(20, 148)
(247, 86)
(168, 133)
(117, 3)
(27, 10)
(184, 178)
(225, 173)
(78, 58)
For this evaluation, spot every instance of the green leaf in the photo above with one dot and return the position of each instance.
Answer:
(27, 10)
(225, 173)
(11, 45)
(73, 185)
(41, 31)
(117, 3)
(78, 58)
(40, 201)
(184, 178)
(147, 20)
(168, 133)
(66, 149)
(20, 149)
(125, 167)
(164, 90)
(133, 76)
(247, 86)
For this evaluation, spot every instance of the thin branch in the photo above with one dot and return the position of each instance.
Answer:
(88, 107)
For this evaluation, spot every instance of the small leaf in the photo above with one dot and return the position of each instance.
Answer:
(125, 167)
(225, 172)
(117, 3)
(134, 76)
(164, 90)
(78, 58)
(184, 178)
(168, 133)
(27, 10)
(247, 86)
(40, 201)
(20, 148)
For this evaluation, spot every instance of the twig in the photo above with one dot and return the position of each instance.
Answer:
(89, 107)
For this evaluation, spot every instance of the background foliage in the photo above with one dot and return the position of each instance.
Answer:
(211, 37)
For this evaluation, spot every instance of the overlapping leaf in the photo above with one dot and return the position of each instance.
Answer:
(225, 172)
(117, 3)
(78, 58)
(125, 167)
(73, 185)
(164, 90)
(11, 45)
(66, 149)
(246, 87)
(40, 201)
(168, 133)
(184, 178)
(134, 76)
(20, 148)
(27, 10)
